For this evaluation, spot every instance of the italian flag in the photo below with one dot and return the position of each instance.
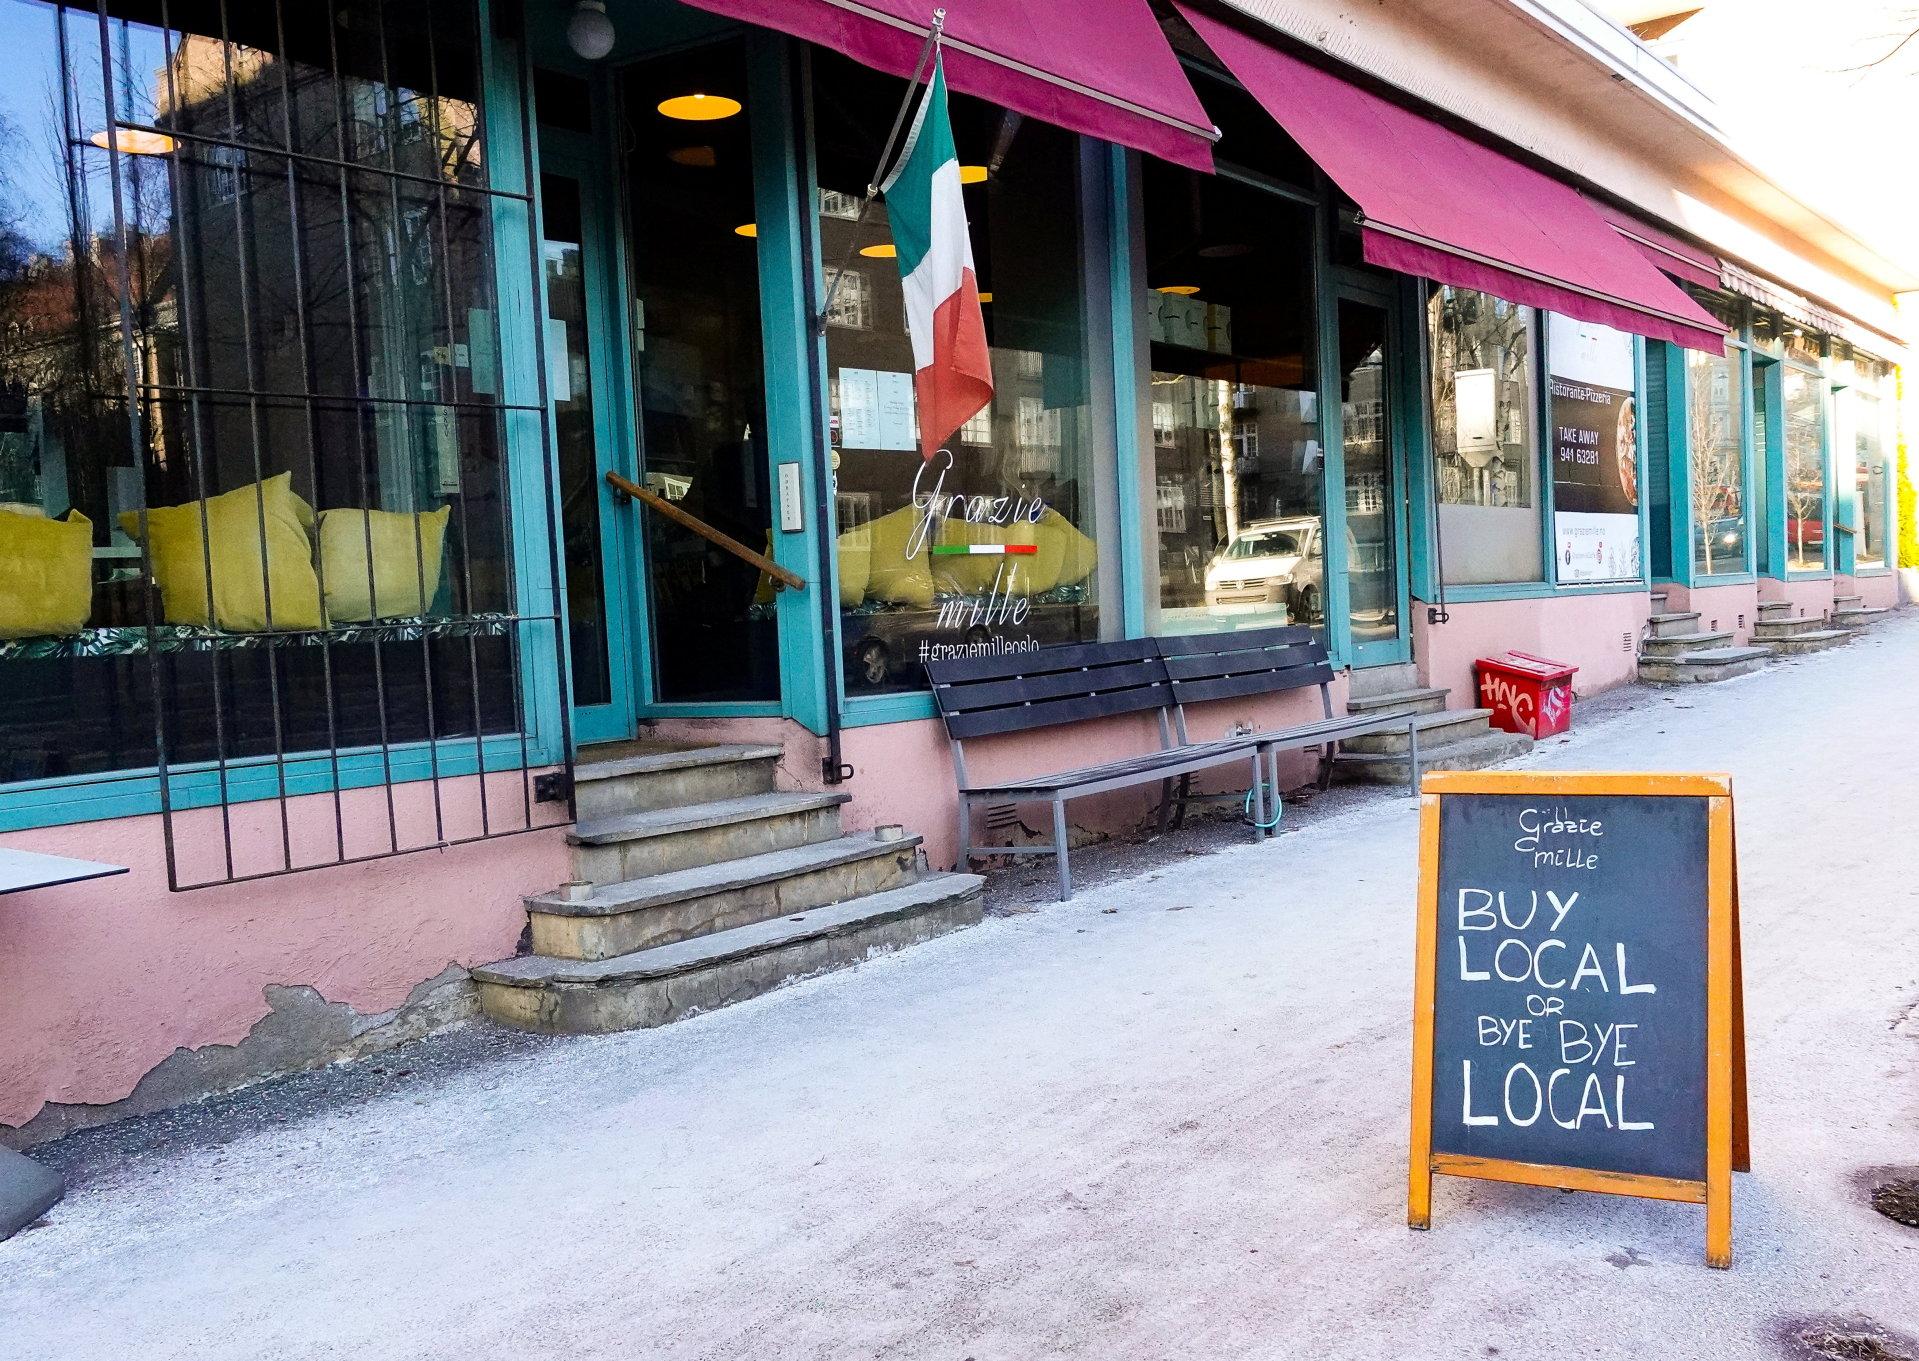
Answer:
(953, 374)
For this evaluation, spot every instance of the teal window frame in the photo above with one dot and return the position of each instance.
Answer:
(1784, 571)
(1678, 461)
(1424, 492)
(532, 463)
(1846, 561)
(1108, 176)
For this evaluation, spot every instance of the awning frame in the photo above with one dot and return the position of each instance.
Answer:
(1209, 134)
(1509, 267)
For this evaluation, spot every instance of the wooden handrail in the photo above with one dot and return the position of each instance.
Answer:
(782, 578)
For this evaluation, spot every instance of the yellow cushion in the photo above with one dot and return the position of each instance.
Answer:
(891, 575)
(232, 542)
(975, 575)
(46, 574)
(1078, 555)
(405, 572)
(856, 564)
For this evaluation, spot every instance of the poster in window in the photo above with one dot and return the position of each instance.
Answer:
(1595, 453)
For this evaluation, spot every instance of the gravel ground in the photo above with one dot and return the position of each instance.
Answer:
(1165, 1119)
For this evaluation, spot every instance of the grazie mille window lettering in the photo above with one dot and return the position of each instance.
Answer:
(938, 504)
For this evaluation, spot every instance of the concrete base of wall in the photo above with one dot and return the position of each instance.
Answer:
(301, 1031)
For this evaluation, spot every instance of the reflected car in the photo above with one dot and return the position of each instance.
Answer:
(1727, 537)
(1272, 562)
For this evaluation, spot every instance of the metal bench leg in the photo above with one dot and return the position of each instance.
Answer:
(1412, 757)
(1185, 791)
(965, 865)
(1326, 755)
(1259, 797)
(1059, 850)
(1165, 805)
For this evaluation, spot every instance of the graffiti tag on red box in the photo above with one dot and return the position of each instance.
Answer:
(1526, 694)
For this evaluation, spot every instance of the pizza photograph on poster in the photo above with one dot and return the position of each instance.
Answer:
(1595, 452)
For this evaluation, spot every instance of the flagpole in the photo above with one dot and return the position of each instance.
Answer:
(933, 34)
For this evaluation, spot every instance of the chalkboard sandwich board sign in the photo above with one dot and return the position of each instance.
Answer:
(1577, 1011)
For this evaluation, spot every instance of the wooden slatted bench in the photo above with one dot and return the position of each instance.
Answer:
(1027, 691)
(1206, 667)
(1050, 687)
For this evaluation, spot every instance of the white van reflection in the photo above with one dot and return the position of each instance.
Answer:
(1272, 562)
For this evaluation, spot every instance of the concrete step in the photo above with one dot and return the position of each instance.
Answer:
(1665, 625)
(631, 777)
(619, 918)
(1436, 731)
(635, 845)
(1857, 618)
(1675, 644)
(1848, 602)
(1813, 640)
(1776, 609)
(1771, 630)
(1372, 681)
(667, 982)
(1476, 753)
(1419, 700)
(1711, 664)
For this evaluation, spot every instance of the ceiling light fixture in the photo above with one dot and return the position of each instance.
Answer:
(133, 142)
(747, 229)
(972, 174)
(589, 32)
(699, 108)
(885, 250)
(1182, 290)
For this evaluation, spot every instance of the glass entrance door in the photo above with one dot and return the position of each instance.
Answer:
(1375, 584)
(594, 549)
(699, 376)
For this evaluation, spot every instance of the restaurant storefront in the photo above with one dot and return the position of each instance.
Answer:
(382, 386)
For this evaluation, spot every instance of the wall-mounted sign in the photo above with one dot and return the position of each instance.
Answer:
(1577, 1005)
(1595, 452)
(1476, 404)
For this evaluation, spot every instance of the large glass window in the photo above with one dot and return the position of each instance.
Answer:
(1871, 407)
(1805, 436)
(1485, 437)
(301, 305)
(992, 545)
(1715, 405)
(1237, 468)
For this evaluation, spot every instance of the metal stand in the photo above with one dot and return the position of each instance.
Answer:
(27, 1191)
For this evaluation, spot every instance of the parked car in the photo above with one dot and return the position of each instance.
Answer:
(1272, 562)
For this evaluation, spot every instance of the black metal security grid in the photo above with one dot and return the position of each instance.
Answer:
(198, 400)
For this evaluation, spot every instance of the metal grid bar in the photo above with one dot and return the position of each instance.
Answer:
(193, 317)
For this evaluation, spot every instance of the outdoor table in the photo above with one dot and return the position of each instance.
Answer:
(27, 1189)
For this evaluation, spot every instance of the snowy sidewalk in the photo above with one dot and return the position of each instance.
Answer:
(1165, 1120)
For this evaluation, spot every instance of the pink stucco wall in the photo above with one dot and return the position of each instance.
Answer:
(1811, 598)
(904, 771)
(1876, 591)
(1730, 609)
(101, 981)
(1597, 633)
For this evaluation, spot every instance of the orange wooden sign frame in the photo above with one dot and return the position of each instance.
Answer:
(1728, 1146)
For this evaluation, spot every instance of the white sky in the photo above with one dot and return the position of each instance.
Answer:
(1800, 96)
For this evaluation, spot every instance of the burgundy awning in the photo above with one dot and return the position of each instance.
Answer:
(1103, 69)
(1438, 204)
(1681, 259)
